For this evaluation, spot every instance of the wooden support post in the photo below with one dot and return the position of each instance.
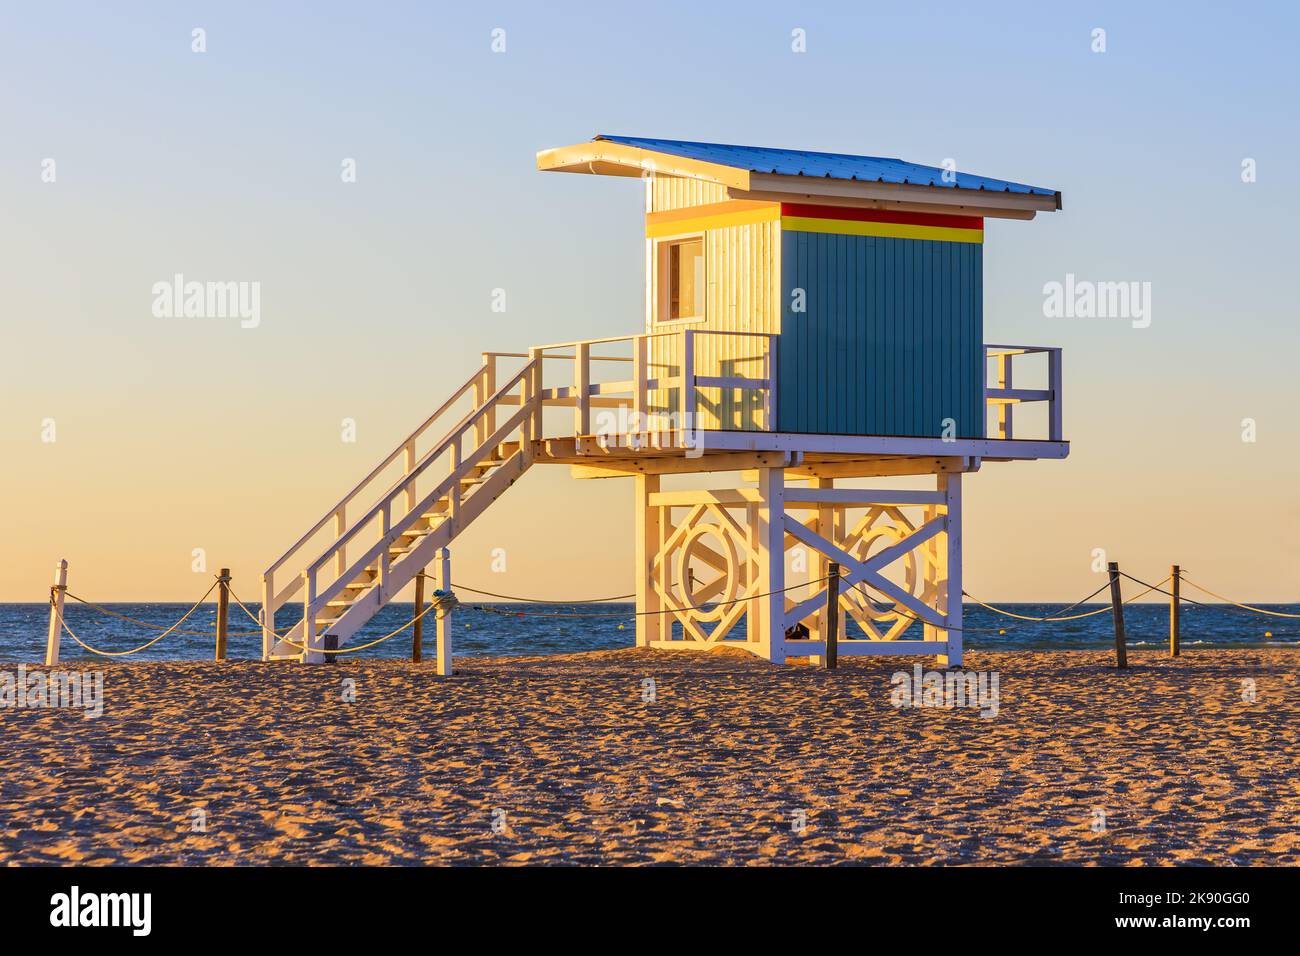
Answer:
(417, 629)
(826, 524)
(1117, 611)
(223, 611)
(1175, 611)
(340, 526)
(408, 466)
(649, 625)
(310, 641)
(952, 587)
(267, 616)
(443, 568)
(489, 420)
(833, 616)
(771, 558)
(57, 593)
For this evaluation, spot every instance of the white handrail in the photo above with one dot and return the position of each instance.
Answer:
(457, 433)
(1004, 395)
(392, 457)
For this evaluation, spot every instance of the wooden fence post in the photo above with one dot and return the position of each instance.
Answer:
(57, 592)
(1117, 611)
(833, 616)
(1175, 612)
(417, 629)
(443, 568)
(223, 611)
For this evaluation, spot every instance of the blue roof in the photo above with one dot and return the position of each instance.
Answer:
(798, 162)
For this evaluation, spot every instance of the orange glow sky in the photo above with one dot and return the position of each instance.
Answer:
(176, 434)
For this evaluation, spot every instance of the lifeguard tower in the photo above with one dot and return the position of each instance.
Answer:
(813, 322)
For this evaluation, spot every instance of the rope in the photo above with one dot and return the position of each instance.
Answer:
(136, 650)
(527, 600)
(611, 614)
(1063, 617)
(896, 609)
(251, 616)
(433, 605)
(361, 647)
(1023, 617)
(1246, 607)
(153, 627)
(1231, 608)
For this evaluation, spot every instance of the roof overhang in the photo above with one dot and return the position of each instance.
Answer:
(602, 158)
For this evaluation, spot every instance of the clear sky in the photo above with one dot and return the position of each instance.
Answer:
(177, 434)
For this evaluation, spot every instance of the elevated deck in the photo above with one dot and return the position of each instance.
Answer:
(673, 416)
(669, 407)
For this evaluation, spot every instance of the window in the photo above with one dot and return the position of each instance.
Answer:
(681, 267)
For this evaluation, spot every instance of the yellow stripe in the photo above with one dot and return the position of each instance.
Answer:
(891, 230)
(655, 230)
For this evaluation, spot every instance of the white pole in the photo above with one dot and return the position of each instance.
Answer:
(443, 568)
(951, 591)
(56, 612)
(771, 556)
(648, 625)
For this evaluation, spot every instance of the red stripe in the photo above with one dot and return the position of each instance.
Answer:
(881, 215)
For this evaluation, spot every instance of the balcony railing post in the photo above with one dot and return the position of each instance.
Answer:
(1055, 430)
(582, 386)
(539, 383)
(640, 384)
(771, 382)
(1004, 407)
(688, 381)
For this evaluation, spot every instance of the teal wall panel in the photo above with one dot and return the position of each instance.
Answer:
(891, 341)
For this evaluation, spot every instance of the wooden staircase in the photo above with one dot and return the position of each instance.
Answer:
(466, 454)
(411, 519)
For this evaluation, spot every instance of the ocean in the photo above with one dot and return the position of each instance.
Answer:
(485, 629)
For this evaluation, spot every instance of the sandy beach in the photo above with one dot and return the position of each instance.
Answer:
(733, 761)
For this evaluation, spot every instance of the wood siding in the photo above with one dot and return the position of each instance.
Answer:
(674, 192)
(891, 342)
(742, 278)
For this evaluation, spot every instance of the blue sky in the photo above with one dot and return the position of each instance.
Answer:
(227, 163)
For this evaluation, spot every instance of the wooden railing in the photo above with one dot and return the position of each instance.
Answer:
(1002, 396)
(381, 508)
(666, 392)
(371, 492)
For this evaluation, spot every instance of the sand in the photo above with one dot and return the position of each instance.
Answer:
(560, 760)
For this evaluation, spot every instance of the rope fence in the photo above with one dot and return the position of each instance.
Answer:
(446, 600)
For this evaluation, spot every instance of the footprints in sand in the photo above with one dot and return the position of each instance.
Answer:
(576, 768)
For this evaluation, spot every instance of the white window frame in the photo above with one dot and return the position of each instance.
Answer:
(662, 272)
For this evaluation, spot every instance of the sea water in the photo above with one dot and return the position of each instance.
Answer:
(528, 629)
